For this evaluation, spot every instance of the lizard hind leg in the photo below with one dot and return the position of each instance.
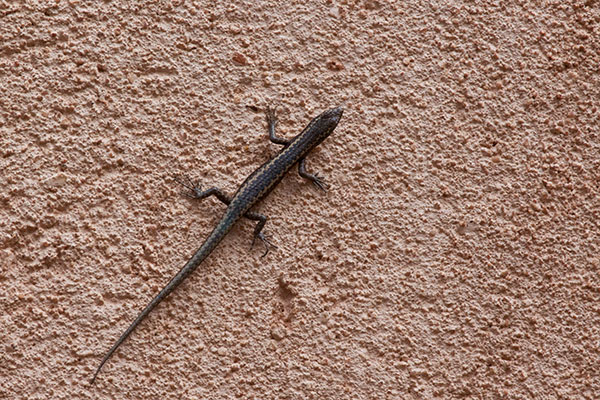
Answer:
(262, 220)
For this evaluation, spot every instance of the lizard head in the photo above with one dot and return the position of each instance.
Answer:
(326, 122)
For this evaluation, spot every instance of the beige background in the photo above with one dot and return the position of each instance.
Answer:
(456, 254)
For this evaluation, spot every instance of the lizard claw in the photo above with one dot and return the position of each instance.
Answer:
(265, 241)
(318, 181)
(271, 116)
(186, 182)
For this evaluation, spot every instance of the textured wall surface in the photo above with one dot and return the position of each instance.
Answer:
(456, 254)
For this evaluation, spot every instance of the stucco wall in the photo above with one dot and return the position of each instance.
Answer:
(456, 254)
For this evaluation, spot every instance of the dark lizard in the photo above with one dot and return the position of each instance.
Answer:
(255, 187)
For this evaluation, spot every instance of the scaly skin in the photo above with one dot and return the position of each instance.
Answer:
(255, 187)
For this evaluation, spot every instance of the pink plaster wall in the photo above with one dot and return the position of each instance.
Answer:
(456, 254)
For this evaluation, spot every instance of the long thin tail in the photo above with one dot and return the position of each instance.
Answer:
(207, 247)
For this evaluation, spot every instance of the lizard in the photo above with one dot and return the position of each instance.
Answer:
(256, 186)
